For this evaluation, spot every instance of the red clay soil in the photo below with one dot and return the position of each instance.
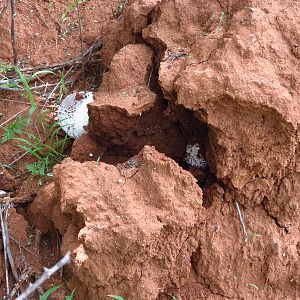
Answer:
(221, 74)
(134, 235)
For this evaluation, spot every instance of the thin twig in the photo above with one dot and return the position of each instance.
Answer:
(96, 46)
(81, 41)
(8, 258)
(55, 88)
(17, 159)
(23, 102)
(16, 288)
(60, 66)
(20, 89)
(46, 275)
(4, 240)
(13, 117)
(241, 220)
(9, 254)
(12, 31)
(23, 247)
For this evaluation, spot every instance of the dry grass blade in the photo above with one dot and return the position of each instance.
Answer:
(81, 41)
(8, 258)
(241, 220)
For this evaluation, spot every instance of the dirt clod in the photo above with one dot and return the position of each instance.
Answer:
(131, 236)
(7, 181)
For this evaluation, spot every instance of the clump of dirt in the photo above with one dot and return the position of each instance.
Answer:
(127, 28)
(85, 148)
(127, 114)
(7, 181)
(133, 231)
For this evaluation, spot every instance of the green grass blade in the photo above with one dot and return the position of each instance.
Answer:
(116, 297)
(42, 72)
(70, 297)
(10, 85)
(28, 143)
(61, 150)
(32, 152)
(69, 9)
(33, 105)
(49, 292)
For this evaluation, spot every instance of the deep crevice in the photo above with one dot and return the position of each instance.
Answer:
(264, 206)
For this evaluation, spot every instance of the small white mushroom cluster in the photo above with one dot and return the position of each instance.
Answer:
(193, 156)
(72, 113)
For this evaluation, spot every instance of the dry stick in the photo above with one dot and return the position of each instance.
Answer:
(81, 40)
(4, 240)
(12, 31)
(9, 254)
(13, 117)
(46, 275)
(23, 102)
(241, 220)
(23, 247)
(78, 60)
(31, 88)
(96, 46)
(55, 88)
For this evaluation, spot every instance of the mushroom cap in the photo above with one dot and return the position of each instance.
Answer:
(73, 115)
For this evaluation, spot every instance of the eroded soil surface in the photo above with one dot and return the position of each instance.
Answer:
(195, 116)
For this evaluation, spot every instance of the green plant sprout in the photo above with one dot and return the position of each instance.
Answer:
(12, 129)
(70, 297)
(52, 290)
(47, 153)
(33, 106)
(63, 88)
(98, 161)
(221, 21)
(49, 292)
(51, 5)
(70, 7)
(116, 297)
(253, 285)
(254, 234)
(119, 10)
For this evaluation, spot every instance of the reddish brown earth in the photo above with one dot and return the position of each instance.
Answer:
(223, 74)
(135, 235)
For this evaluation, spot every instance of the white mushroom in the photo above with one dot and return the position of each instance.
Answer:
(72, 113)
